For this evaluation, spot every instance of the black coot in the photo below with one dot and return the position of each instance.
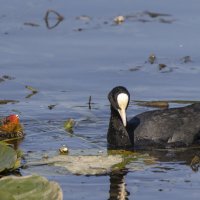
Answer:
(175, 127)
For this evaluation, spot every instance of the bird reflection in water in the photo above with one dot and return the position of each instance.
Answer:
(118, 186)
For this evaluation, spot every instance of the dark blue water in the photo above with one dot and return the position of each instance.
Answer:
(84, 57)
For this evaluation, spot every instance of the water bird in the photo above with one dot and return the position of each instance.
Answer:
(10, 127)
(168, 128)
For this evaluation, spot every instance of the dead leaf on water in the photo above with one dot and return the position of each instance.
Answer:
(119, 19)
(186, 59)
(155, 14)
(183, 101)
(8, 77)
(195, 163)
(162, 66)
(160, 104)
(8, 101)
(133, 69)
(52, 106)
(63, 149)
(152, 58)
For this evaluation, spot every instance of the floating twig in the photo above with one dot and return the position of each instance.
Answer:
(31, 24)
(33, 90)
(8, 101)
(89, 102)
(8, 77)
(52, 106)
(154, 14)
(59, 18)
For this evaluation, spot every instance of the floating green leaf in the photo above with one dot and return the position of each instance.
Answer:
(9, 158)
(31, 89)
(29, 187)
(69, 125)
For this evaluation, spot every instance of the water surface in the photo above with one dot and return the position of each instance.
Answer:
(84, 57)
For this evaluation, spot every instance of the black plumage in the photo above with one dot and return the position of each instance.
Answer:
(174, 127)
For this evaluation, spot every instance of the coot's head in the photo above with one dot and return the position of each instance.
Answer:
(119, 99)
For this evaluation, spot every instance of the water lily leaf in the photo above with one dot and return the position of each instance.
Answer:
(91, 162)
(6, 195)
(9, 159)
(86, 165)
(29, 187)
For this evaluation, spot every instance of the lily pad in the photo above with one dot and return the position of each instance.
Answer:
(94, 163)
(29, 187)
(9, 158)
(87, 165)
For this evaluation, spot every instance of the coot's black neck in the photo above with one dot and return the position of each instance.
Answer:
(117, 136)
